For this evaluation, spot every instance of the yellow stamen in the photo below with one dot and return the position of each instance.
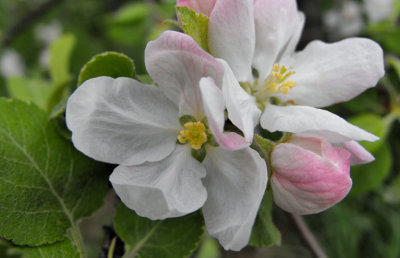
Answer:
(284, 90)
(290, 84)
(195, 133)
(274, 86)
(276, 67)
(276, 81)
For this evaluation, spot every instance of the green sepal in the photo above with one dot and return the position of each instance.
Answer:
(264, 148)
(110, 64)
(199, 154)
(186, 119)
(264, 145)
(195, 25)
(211, 140)
(265, 233)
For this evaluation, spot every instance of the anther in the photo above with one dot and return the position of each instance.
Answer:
(195, 134)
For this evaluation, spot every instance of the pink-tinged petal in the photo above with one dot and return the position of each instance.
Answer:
(303, 119)
(330, 73)
(214, 107)
(168, 188)
(122, 121)
(242, 107)
(276, 23)
(231, 35)
(305, 182)
(294, 40)
(201, 6)
(235, 183)
(359, 155)
(176, 63)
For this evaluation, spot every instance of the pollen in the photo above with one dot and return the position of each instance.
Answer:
(277, 80)
(194, 133)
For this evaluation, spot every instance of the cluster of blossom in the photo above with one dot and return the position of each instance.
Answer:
(169, 139)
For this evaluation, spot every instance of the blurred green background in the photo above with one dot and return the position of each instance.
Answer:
(66, 34)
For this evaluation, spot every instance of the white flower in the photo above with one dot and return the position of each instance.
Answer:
(125, 122)
(11, 64)
(378, 10)
(47, 33)
(290, 86)
(344, 21)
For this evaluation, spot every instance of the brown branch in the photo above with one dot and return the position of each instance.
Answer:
(308, 236)
(26, 21)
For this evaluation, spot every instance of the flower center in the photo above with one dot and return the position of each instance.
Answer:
(276, 82)
(195, 134)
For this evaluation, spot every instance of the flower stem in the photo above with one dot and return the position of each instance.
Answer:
(112, 247)
(308, 236)
(393, 115)
(78, 240)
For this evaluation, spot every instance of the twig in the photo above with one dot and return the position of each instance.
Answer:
(27, 20)
(308, 236)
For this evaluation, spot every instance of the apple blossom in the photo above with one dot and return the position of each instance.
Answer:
(310, 175)
(257, 39)
(159, 135)
(344, 20)
(378, 10)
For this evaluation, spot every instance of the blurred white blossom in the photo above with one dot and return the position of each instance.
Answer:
(378, 10)
(11, 63)
(47, 33)
(344, 21)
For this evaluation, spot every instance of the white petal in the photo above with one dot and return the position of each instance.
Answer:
(242, 107)
(168, 188)
(122, 121)
(176, 63)
(214, 106)
(231, 35)
(330, 73)
(303, 119)
(276, 22)
(235, 183)
(294, 40)
(359, 155)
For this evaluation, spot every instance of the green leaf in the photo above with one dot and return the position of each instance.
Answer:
(60, 53)
(371, 176)
(64, 249)
(395, 63)
(373, 124)
(45, 184)
(170, 238)
(391, 193)
(131, 14)
(110, 64)
(6, 251)
(36, 90)
(195, 25)
(265, 233)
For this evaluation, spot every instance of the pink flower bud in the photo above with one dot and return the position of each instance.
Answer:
(309, 174)
(201, 6)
